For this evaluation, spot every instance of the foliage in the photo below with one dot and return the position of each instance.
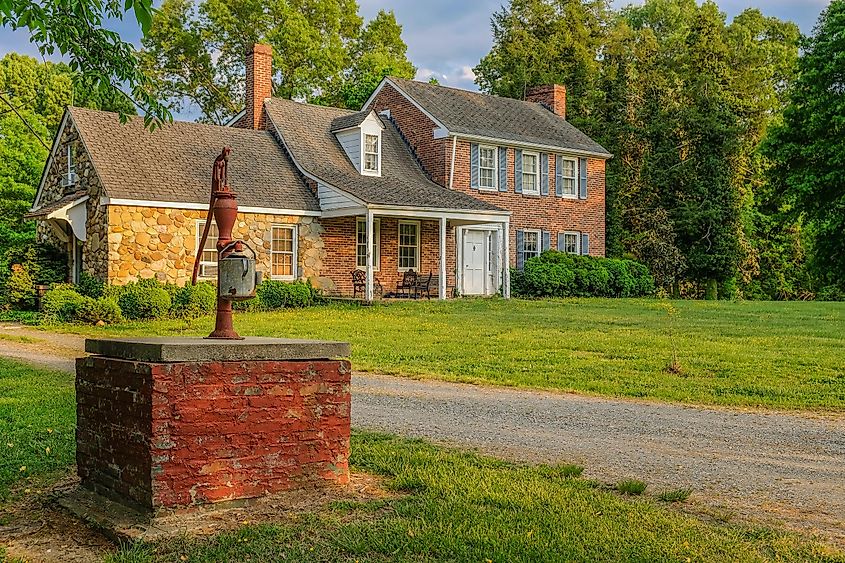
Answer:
(556, 274)
(631, 487)
(90, 286)
(98, 57)
(193, 301)
(274, 294)
(19, 289)
(674, 495)
(143, 300)
(102, 310)
(195, 52)
(806, 148)
(62, 304)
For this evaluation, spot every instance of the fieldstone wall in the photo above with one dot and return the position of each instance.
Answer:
(94, 250)
(147, 242)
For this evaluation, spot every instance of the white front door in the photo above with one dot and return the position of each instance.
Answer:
(475, 262)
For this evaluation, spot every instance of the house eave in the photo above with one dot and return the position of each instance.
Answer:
(532, 146)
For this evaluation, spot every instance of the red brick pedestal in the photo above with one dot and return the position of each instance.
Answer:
(179, 422)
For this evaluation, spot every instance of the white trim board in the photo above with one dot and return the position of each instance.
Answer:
(204, 207)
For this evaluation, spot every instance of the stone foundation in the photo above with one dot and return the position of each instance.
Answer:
(171, 433)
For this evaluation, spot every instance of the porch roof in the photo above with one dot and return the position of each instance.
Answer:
(306, 131)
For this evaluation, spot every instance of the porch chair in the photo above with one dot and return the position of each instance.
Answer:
(407, 285)
(424, 286)
(359, 284)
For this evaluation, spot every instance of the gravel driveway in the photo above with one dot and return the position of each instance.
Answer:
(767, 466)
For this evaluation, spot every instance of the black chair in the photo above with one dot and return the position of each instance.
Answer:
(424, 286)
(359, 284)
(407, 285)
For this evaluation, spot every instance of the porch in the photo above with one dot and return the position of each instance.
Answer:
(463, 253)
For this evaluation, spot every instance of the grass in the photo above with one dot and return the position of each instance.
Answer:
(459, 506)
(17, 338)
(449, 505)
(631, 487)
(37, 422)
(674, 495)
(787, 355)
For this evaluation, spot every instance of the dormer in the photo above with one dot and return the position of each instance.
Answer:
(360, 136)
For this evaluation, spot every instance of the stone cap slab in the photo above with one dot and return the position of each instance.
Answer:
(184, 349)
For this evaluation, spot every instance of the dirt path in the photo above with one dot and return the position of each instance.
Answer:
(770, 467)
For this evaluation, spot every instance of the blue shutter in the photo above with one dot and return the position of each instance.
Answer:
(585, 244)
(520, 249)
(473, 165)
(582, 164)
(517, 171)
(544, 173)
(560, 244)
(547, 240)
(558, 176)
(503, 169)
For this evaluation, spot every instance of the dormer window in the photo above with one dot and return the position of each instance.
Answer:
(371, 153)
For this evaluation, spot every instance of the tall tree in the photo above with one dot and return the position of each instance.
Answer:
(808, 147)
(100, 57)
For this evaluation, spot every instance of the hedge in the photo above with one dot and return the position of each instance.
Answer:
(557, 274)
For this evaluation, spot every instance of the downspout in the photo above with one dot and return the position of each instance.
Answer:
(452, 163)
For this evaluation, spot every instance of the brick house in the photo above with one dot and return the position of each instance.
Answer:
(441, 181)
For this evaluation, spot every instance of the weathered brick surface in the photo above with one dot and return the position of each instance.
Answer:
(165, 435)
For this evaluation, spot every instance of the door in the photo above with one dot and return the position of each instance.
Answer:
(474, 259)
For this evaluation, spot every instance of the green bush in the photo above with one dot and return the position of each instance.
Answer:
(556, 274)
(90, 286)
(93, 311)
(143, 301)
(62, 304)
(194, 300)
(274, 294)
(20, 290)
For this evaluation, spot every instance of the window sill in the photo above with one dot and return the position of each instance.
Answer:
(490, 190)
(283, 278)
(533, 195)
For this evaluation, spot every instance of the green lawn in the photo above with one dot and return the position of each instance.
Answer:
(449, 505)
(761, 354)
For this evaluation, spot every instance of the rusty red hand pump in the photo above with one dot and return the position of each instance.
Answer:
(236, 275)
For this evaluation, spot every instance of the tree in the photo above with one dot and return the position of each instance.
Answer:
(807, 148)
(195, 52)
(98, 56)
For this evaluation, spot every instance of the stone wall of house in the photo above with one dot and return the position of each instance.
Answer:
(94, 249)
(149, 242)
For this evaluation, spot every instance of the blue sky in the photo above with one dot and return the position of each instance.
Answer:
(446, 38)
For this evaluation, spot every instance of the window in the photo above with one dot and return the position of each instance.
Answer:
(208, 259)
(361, 244)
(568, 176)
(530, 184)
(283, 252)
(371, 153)
(531, 245)
(487, 168)
(71, 166)
(409, 245)
(571, 243)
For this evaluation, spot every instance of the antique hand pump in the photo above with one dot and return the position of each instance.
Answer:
(236, 275)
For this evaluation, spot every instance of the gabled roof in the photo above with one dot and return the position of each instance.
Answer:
(306, 130)
(174, 162)
(495, 118)
(349, 120)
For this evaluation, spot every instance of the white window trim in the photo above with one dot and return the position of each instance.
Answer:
(495, 186)
(376, 237)
(294, 249)
(575, 178)
(200, 225)
(364, 169)
(577, 235)
(539, 232)
(419, 243)
(537, 167)
(71, 166)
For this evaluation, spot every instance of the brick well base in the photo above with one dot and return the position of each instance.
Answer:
(156, 435)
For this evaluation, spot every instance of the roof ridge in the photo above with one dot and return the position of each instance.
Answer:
(288, 100)
(464, 90)
(176, 122)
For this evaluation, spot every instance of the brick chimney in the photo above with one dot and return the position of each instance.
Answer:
(553, 96)
(259, 85)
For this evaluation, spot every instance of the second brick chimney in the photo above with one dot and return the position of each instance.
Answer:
(259, 85)
(553, 96)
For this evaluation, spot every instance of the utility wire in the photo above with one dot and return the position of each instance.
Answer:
(25, 122)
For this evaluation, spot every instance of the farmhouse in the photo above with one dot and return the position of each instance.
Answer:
(454, 185)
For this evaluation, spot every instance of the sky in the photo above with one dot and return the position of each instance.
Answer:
(446, 38)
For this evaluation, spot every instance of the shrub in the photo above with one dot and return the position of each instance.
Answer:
(90, 286)
(104, 309)
(194, 300)
(274, 294)
(20, 290)
(622, 282)
(143, 301)
(61, 303)
(547, 279)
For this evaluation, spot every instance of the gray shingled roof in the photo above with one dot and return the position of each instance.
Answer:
(494, 117)
(174, 163)
(306, 131)
(349, 120)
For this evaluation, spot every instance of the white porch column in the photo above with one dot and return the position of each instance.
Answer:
(506, 271)
(442, 285)
(370, 252)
